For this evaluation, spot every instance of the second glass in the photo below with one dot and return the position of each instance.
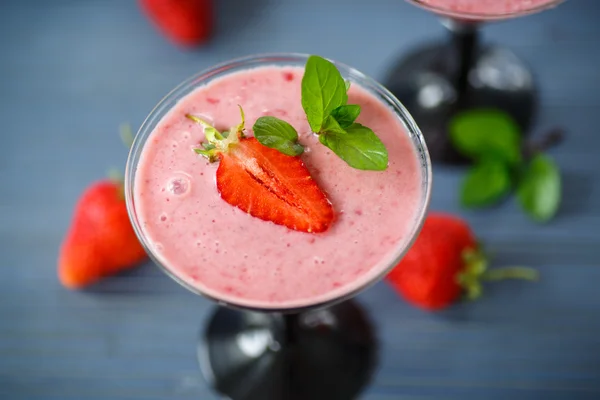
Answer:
(438, 80)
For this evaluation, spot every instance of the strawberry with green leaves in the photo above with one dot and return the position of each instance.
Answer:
(445, 263)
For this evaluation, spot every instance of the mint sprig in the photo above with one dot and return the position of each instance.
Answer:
(324, 100)
(503, 164)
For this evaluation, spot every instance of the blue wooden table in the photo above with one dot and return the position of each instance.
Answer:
(72, 71)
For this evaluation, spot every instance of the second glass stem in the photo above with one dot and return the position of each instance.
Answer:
(465, 41)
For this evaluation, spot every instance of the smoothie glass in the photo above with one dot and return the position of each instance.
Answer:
(318, 351)
(437, 80)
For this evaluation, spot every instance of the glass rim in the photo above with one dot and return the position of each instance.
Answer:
(266, 59)
(478, 17)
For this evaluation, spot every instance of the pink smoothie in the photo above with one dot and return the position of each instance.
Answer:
(487, 8)
(227, 254)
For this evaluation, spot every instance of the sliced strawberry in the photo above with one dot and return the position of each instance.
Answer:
(264, 182)
(272, 186)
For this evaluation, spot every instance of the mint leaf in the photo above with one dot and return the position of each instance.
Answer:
(323, 90)
(480, 133)
(277, 134)
(346, 115)
(347, 82)
(486, 183)
(539, 190)
(332, 125)
(359, 147)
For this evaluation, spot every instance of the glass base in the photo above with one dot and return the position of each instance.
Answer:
(327, 354)
(428, 83)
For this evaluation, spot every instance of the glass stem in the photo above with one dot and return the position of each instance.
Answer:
(464, 38)
(290, 324)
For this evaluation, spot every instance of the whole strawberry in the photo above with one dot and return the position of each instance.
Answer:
(185, 22)
(444, 263)
(100, 241)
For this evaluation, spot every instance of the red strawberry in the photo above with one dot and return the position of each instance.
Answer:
(101, 240)
(443, 263)
(266, 183)
(184, 22)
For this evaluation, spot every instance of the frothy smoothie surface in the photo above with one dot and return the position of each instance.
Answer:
(236, 258)
(490, 8)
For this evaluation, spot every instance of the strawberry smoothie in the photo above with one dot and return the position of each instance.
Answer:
(486, 8)
(219, 250)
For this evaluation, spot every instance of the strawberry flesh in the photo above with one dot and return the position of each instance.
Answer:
(272, 186)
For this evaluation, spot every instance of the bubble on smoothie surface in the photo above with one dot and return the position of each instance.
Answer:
(275, 112)
(178, 185)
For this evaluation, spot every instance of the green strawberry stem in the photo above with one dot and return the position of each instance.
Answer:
(126, 134)
(500, 274)
(476, 271)
(115, 175)
(218, 142)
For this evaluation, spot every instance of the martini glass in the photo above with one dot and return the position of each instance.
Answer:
(325, 350)
(438, 80)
